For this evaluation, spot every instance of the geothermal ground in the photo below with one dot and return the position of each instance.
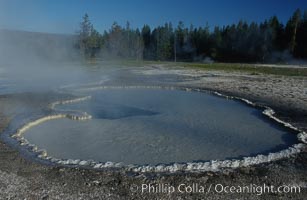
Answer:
(22, 177)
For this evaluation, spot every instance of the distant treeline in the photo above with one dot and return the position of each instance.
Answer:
(269, 41)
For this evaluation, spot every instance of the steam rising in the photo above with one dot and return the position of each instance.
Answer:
(34, 61)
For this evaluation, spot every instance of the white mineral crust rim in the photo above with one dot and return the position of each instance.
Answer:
(213, 165)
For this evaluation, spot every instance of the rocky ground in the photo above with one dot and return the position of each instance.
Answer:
(23, 178)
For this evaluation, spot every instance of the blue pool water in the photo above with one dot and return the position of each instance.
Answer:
(151, 126)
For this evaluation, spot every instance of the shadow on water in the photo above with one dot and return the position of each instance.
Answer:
(115, 111)
(286, 137)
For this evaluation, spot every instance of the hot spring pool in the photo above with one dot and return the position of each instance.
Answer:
(152, 126)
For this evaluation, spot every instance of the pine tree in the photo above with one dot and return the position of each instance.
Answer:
(90, 40)
(291, 29)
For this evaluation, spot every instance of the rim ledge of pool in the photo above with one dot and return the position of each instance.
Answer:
(212, 165)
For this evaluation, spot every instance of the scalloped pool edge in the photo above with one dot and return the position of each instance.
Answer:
(213, 165)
